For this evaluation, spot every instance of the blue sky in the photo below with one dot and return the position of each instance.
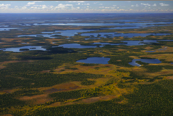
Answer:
(86, 6)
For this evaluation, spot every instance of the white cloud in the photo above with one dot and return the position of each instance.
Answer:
(107, 7)
(16, 7)
(101, 7)
(62, 6)
(34, 7)
(145, 4)
(44, 6)
(87, 4)
(76, 1)
(154, 5)
(162, 4)
(32, 3)
(24, 7)
(4, 6)
(135, 5)
(51, 6)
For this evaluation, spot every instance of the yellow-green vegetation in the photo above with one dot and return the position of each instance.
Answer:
(53, 83)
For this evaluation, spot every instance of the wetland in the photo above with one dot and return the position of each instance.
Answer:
(87, 64)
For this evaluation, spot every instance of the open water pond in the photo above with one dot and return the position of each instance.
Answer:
(71, 32)
(151, 61)
(150, 51)
(100, 44)
(24, 48)
(144, 42)
(56, 33)
(120, 24)
(129, 35)
(76, 45)
(6, 29)
(38, 35)
(165, 40)
(131, 42)
(103, 44)
(136, 43)
(95, 60)
(126, 27)
(47, 32)
(81, 24)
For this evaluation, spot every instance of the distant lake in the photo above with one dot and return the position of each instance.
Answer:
(95, 60)
(55, 33)
(131, 42)
(129, 35)
(76, 45)
(24, 48)
(151, 61)
(94, 45)
(72, 32)
(37, 35)
(92, 35)
(118, 24)
(6, 29)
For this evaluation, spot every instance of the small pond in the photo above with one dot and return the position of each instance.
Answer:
(151, 61)
(150, 51)
(76, 45)
(95, 60)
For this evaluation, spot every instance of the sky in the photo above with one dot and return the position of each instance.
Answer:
(86, 6)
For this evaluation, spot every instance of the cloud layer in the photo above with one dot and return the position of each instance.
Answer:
(85, 6)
